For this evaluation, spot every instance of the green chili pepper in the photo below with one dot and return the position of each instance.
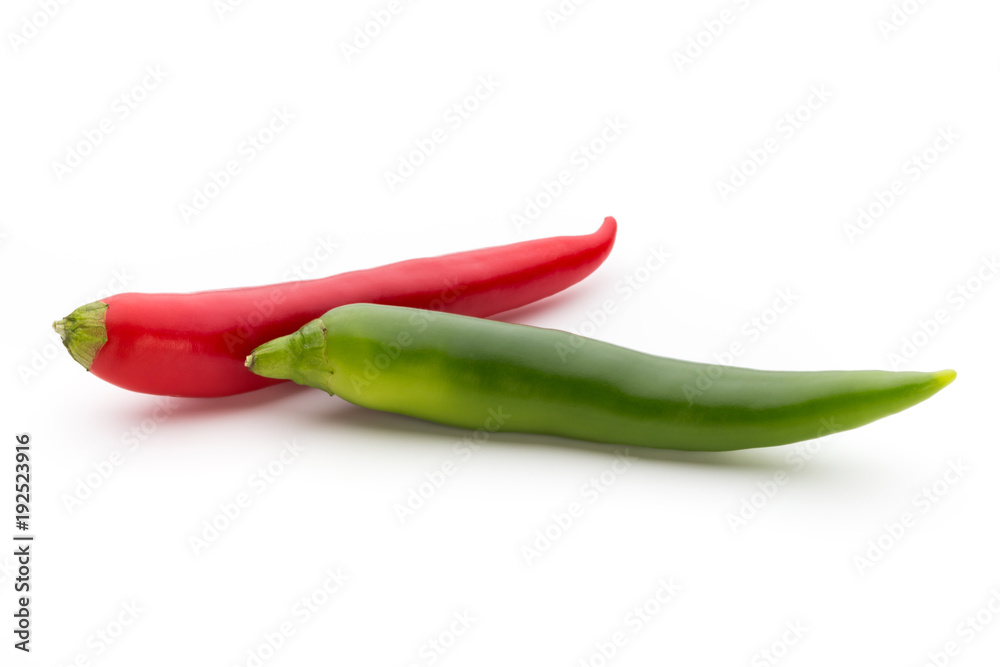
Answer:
(476, 373)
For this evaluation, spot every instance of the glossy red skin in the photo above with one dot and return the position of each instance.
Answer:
(195, 344)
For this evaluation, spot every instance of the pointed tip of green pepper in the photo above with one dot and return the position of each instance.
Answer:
(945, 378)
(921, 389)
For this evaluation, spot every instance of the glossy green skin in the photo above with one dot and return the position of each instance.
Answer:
(481, 374)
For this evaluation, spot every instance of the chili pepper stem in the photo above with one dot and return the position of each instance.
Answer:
(299, 357)
(83, 332)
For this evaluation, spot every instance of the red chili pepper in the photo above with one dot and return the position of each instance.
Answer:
(195, 344)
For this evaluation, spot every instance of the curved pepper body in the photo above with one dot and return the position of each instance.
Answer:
(195, 344)
(479, 374)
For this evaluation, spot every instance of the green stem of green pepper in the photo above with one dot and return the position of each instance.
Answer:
(465, 371)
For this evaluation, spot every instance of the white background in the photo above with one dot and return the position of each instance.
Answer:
(115, 222)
